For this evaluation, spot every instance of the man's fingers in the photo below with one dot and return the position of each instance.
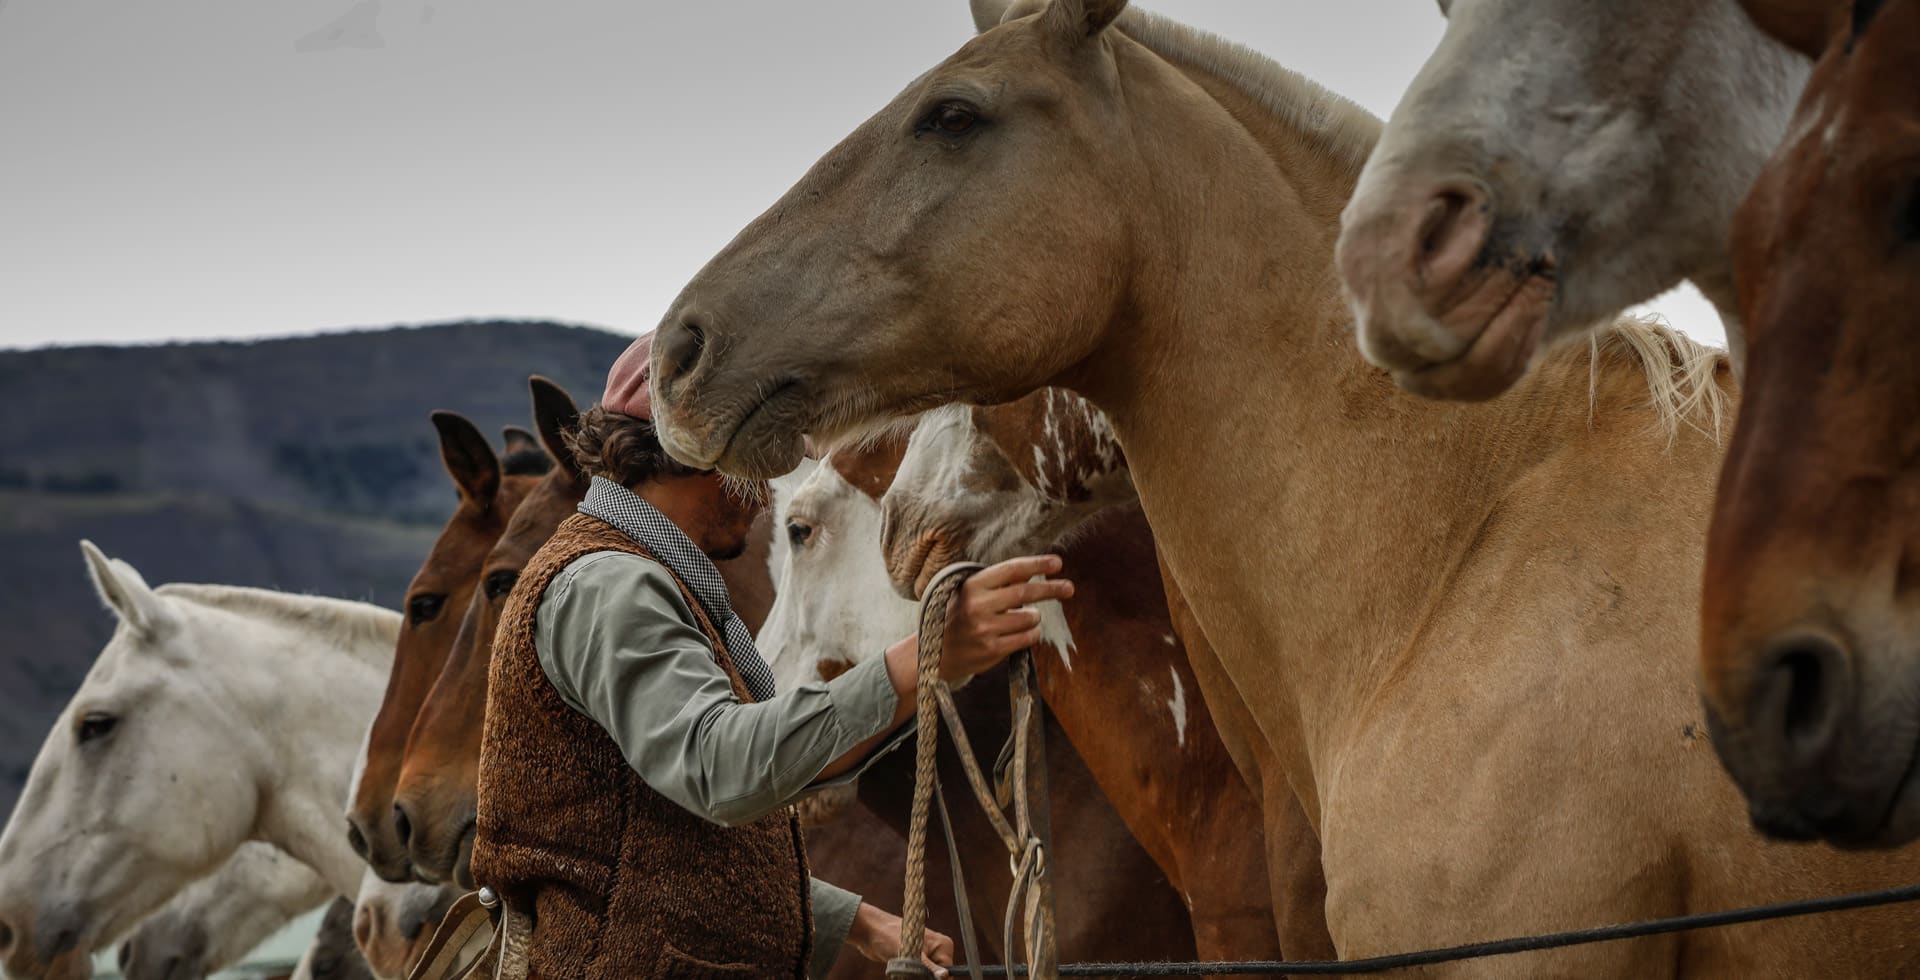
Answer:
(1015, 621)
(1013, 643)
(1014, 570)
(1020, 594)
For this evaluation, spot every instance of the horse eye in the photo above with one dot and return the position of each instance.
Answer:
(96, 726)
(425, 608)
(501, 582)
(798, 532)
(951, 118)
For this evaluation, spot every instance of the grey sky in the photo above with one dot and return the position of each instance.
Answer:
(202, 168)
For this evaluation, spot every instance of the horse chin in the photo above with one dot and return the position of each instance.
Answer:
(1501, 350)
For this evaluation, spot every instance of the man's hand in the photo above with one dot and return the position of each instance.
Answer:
(986, 619)
(876, 934)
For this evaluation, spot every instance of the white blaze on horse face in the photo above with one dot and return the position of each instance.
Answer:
(186, 739)
(1615, 139)
(834, 602)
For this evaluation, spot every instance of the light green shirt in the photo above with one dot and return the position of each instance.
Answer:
(619, 643)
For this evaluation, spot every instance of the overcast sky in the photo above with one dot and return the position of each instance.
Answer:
(233, 168)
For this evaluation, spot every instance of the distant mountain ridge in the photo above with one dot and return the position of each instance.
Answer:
(305, 464)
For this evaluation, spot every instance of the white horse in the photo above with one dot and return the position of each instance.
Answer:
(220, 918)
(215, 715)
(1555, 162)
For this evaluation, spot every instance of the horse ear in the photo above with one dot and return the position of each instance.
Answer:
(470, 461)
(519, 440)
(989, 14)
(1085, 18)
(554, 413)
(123, 590)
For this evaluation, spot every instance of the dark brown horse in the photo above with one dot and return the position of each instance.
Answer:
(488, 495)
(1810, 616)
(436, 789)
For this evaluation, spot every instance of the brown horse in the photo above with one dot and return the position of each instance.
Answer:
(1810, 617)
(1467, 631)
(987, 484)
(1112, 901)
(488, 495)
(435, 794)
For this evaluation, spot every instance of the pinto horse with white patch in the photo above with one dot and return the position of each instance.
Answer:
(1046, 472)
(1467, 631)
(835, 609)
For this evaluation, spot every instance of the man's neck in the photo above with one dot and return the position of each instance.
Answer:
(686, 501)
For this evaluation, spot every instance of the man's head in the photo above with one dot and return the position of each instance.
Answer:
(616, 440)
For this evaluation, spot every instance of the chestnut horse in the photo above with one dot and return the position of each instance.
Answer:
(987, 484)
(488, 495)
(1553, 163)
(1809, 666)
(435, 793)
(836, 608)
(1466, 630)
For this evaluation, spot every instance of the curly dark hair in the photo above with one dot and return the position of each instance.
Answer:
(621, 448)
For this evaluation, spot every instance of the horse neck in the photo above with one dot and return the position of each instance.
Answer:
(1335, 504)
(339, 651)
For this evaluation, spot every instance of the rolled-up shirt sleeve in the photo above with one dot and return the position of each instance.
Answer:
(616, 638)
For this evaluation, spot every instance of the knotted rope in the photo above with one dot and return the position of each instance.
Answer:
(1023, 836)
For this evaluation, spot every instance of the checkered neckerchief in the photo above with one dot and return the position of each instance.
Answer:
(637, 519)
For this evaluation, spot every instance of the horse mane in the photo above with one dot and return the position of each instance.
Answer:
(1332, 123)
(357, 623)
(1682, 374)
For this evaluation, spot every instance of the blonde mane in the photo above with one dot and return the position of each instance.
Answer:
(1682, 374)
(358, 624)
(1334, 124)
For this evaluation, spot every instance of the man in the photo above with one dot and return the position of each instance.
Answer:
(638, 767)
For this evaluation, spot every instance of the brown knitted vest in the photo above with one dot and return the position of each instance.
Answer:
(622, 883)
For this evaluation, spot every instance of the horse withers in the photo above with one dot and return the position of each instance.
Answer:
(1810, 652)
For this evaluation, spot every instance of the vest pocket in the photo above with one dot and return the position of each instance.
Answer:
(675, 965)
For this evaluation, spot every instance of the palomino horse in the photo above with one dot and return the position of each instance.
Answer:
(1808, 662)
(987, 484)
(488, 495)
(835, 608)
(439, 778)
(184, 742)
(222, 917)
(1555, 162)
(1466, 630)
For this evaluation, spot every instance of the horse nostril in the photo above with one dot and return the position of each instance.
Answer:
(681, 345)
(6, 939)
(1808, 681)
(358, 840)
(1452, 233)
(402, 827)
